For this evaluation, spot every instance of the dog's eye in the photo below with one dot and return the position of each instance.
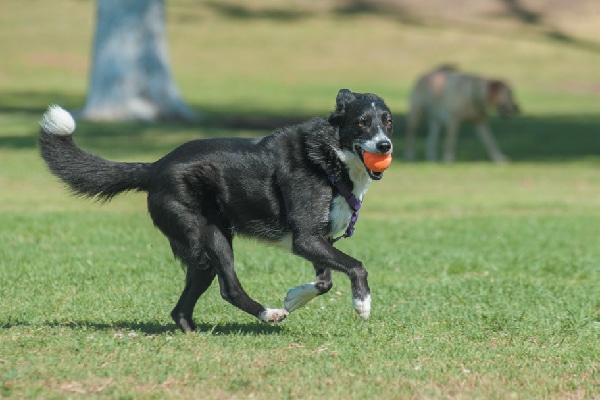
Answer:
(362, 122)
(388, 122)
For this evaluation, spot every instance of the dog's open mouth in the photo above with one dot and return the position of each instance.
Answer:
(374, 175)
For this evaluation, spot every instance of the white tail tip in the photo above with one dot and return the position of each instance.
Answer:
(57, 121)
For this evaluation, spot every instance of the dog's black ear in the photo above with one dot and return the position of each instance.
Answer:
(344, 97)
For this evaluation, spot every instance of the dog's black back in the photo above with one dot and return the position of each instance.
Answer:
(250, 182)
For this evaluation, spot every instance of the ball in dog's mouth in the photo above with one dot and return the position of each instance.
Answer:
(375, 163)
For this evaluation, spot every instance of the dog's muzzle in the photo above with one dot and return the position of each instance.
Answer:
(380, 147)
(507, 111)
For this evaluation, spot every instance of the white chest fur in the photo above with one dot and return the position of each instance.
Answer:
(340, 212)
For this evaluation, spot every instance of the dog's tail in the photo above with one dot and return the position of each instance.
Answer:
(86, 174)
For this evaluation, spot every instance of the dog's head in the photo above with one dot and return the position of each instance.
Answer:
(500, 95)
(365, 124)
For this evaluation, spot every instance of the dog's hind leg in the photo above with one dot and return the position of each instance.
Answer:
(220, 253)
(199, 277)
(300, 295)
(197, 281)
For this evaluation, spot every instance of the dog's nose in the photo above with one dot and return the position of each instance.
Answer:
(384, 146)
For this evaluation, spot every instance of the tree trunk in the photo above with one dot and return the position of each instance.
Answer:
(131, 77)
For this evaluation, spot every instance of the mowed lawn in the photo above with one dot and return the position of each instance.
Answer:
(485, 278)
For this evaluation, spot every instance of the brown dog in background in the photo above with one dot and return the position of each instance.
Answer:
(447, 97)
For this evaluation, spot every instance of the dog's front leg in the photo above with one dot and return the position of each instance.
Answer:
(412, 124)
(320, 252)
(485, 135)
(432, 140)
(450, 143)
(300, 295)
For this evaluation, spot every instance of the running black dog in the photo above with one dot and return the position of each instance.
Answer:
(297, 187)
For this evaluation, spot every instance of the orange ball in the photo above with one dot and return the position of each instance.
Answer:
(377, 162)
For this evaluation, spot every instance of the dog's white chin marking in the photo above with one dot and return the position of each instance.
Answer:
(273, 315)
(357, 172)
(300, 295)
(363, 307)
(57, 121)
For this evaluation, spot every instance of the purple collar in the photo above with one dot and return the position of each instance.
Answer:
(353, 202)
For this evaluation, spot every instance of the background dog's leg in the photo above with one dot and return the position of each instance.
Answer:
(450, 143)
(317, 250)
(412, 124)
(485, 134)
(432, 140)
(221, 255)
(300, 295)
(197, 281)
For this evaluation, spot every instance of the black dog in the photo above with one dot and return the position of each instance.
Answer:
(297, 187)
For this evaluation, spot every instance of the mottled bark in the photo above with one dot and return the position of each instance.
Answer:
(131, 77)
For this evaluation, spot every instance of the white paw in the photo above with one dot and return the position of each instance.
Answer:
(273, 315)
(363, 307)
(299, 296)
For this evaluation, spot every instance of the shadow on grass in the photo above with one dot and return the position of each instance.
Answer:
(149, 328)
(525, 138)
(554, 138)
(34, 104)
(138, 138)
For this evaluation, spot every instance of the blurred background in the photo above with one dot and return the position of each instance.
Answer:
(248, 67)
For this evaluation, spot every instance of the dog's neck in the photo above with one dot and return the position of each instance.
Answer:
(357, 173)
(352, 201)
(360, 181)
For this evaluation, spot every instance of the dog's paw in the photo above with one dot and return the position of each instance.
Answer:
(299, 296)
(273, 315)
(184, 323)
(363, 307)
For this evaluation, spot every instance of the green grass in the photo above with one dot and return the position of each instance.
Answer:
(484, 277)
